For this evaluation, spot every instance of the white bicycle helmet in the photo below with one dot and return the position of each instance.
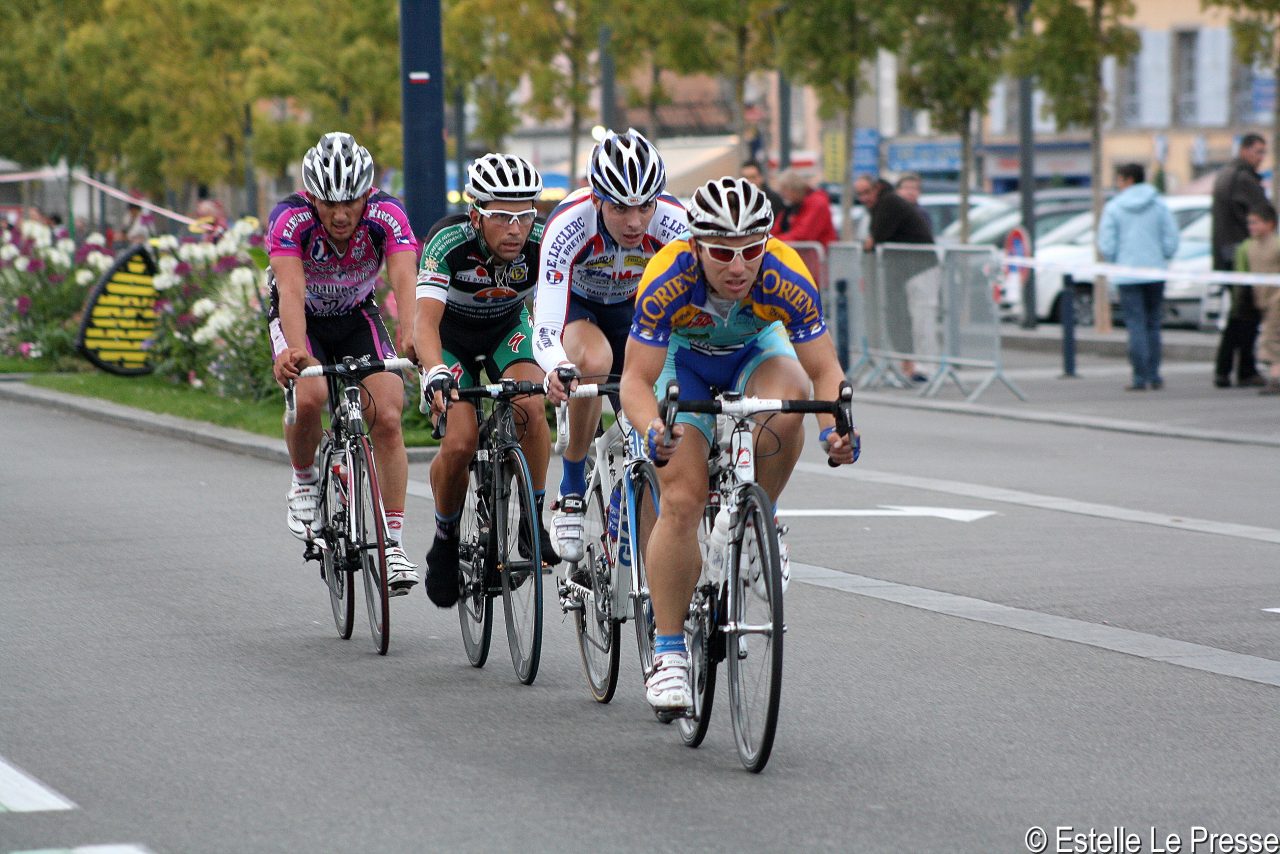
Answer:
(338, 168)
(626, 169)
(729, 207)
(503, 178)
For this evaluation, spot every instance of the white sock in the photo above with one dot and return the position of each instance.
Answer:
(306, 475)
(395, 523)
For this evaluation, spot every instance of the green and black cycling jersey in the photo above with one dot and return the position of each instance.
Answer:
(478, 288)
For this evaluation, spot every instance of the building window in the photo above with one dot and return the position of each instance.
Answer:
(1185, 107)
(1128, 107)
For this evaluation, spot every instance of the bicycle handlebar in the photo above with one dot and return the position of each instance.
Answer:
(505, 389)
(350, 367)
(562, 410)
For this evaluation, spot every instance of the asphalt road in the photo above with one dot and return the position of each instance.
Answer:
(1094, 654)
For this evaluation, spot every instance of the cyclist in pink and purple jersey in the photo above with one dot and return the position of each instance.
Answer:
(327, 245)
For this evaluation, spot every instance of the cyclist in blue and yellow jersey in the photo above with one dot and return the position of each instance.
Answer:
(477, 270)
(594, 251)
(727, 309)
(327, 245)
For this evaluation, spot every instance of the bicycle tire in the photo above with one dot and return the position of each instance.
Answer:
(642, 510)
(337, 571)
(754, 600)
(371, 542)
(699, 629)
(475, 556)
(598, 629)
(519, 558)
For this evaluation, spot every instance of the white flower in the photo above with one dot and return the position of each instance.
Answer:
(168, 264)
(167, 242)
(57, 258)
(228, 244)
(101, 260)
(187, 252)
(203, 307)
(242, 278)
(164, 281)
(37, 233)
(96, 239)
(21, 264)
(8, 252)
(84, 276)
(67, 246)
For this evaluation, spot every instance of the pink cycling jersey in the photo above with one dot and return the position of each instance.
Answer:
(338, 283)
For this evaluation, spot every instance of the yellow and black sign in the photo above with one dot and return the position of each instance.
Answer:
(120, 315)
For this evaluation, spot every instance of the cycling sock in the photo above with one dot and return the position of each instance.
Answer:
(574, 479)
(663, 644)
(538, 496)
(306, 474)
(447, 526)
(395, 524)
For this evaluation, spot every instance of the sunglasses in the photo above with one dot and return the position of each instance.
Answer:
(725, 254)
(524, 217)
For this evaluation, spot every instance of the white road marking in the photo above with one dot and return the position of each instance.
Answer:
(1272, 610)
(1047, 502)
(22, 793)
(953, 513)
(1180, 653)
(91, 849)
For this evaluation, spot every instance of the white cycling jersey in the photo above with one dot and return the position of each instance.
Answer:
(580, 256)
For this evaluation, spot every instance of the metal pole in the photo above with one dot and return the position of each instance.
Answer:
(1027, 175)
(842, 323)
(784, 122)
(608, 98)
(460, 135)
(1068, 312)
(422, 111)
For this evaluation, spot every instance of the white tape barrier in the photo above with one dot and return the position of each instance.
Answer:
(1154, 274)
(62, 174)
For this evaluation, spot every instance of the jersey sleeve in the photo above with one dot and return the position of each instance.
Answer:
(433, 270)
(791, 295)
(664, 288)
(387, 211)
(287, 222)
(563, 237)
(670, 222)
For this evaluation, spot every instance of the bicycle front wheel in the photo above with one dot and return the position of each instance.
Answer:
(641, 513)
(371, 542)
(519, 557)
(333, 564)
(753, 640)
(475, 555)
(599, 632)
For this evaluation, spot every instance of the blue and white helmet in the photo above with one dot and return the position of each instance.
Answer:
(626, 169)
(338, 168)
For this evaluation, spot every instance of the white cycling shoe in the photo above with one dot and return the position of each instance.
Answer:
(667, 688)
(567, 523)
(304, 501)
(401, 573)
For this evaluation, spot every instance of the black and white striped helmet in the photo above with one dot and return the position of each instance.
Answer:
(338, 168)
(729, 207)
(626, 169)
(503, 178)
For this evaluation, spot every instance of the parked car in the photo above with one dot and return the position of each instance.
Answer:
(995, 230)
(1072, 244)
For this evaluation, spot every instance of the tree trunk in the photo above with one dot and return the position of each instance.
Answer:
(1275, 129)
(966, 172)
(655, 87)
(846, 193)
(1101, 297)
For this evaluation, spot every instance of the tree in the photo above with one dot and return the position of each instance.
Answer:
(952, 60)
(827, 44)
(481, 59)
(1066, 53)
(1255, 29)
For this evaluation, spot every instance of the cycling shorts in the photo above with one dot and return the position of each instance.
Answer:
(496, 348)
(702, 375)
(613, 319)
(332, 337)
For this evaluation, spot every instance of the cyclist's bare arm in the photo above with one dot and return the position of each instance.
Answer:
(426, 336)
(291, 286)
(403, 272)
(641, 368)
(818, 358)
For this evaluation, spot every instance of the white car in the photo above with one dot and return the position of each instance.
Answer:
(1072, 245)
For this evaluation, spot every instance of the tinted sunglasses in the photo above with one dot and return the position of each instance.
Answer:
(725, 254)
(517, 218)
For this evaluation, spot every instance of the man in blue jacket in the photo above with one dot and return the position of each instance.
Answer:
(1137, 230)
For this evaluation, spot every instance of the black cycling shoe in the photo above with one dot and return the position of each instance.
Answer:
(442, 572)
(549, 556)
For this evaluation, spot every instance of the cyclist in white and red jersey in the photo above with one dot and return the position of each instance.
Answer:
(327, 244)
(594, 250)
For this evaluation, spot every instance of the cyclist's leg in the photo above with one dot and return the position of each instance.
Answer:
(383, 413)
(773, 371)
(302, 438)
(587, 348)
(449, 481)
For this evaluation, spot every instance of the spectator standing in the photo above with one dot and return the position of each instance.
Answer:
(1261, 254)
(754, 172)
(909, 186)
(810, 211)
(1236, 191)
(1137, 230)
(911, 298)
(137, 227)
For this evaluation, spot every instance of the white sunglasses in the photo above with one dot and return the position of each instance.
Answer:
(722, 254)
(523, 217)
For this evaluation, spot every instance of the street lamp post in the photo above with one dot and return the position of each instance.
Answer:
(422, 111)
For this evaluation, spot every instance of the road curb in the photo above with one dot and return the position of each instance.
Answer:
(1117, 347)
(200, 432)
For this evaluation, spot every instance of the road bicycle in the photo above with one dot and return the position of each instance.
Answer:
(499, 553)
(621, 507)
(352, 524)
(736, 614)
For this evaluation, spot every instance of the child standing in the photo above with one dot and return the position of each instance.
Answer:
(1261, 254)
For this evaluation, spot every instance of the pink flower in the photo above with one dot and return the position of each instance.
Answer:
(37, 264)
(25, 349)
(226, 263)
(182, 269)
(24, 305)
(56, 278)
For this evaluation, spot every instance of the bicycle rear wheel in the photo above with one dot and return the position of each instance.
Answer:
(599, 631)
(333, 564)
(371, 541)
(753, 644)
(641, 512)
(475, 554)
(699, 633)
(519, 557)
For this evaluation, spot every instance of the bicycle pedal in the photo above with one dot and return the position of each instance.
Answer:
(667, 716)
